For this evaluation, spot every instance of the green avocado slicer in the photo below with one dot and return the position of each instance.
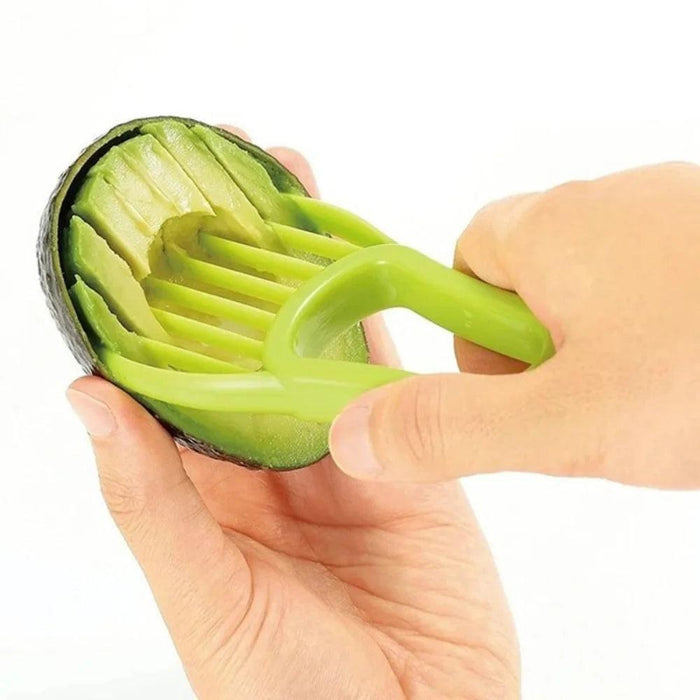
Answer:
(368, 272)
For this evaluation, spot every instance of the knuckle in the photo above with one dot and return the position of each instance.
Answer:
(556, 201)
(482, 223)
(549, 211)
(499, 223)
(684, 175)
(680, 166)
(571, 189)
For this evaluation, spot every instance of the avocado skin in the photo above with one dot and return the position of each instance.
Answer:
(55, 218)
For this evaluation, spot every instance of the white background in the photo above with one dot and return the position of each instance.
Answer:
(414, 115)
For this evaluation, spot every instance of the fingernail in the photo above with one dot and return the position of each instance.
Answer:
(96, 416)
(351, 443)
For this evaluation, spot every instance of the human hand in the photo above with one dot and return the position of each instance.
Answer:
(305, 584)
(612, 268)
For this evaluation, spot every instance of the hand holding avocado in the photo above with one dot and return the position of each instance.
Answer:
(611, 267)
(306, 584)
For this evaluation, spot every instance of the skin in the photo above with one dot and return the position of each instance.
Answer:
(308, 584)
(612, 268)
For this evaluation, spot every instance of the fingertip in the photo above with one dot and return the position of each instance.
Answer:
(102, 390)
(351, 443)
(116, 421)
(297, 164)
(95, 415)
(128, 413)
(87, 383)
(235, 130)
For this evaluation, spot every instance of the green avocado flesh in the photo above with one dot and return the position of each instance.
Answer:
(144, 257)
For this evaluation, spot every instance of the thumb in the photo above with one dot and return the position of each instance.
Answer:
(436, 427)
(180, 547)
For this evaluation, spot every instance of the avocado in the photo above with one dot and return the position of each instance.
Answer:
(247, 173)
(164, 174)
(126, 269)
(89, 256)
(237, 216)
(102, 207)
(110, 332)
(138, 192)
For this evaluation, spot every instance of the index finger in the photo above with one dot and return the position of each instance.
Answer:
(477, 254)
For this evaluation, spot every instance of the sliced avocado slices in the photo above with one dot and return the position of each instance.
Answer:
(164, 174)
(247, 173)
(147, 200)
(90, 257)
(110, 332)
(241, 220)
(134, 201)
(128, 234)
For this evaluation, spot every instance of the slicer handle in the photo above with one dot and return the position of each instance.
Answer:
(474, 310)
(371, 280)
(388, 276)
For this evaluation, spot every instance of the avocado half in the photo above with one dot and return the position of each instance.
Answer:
(107, 284)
